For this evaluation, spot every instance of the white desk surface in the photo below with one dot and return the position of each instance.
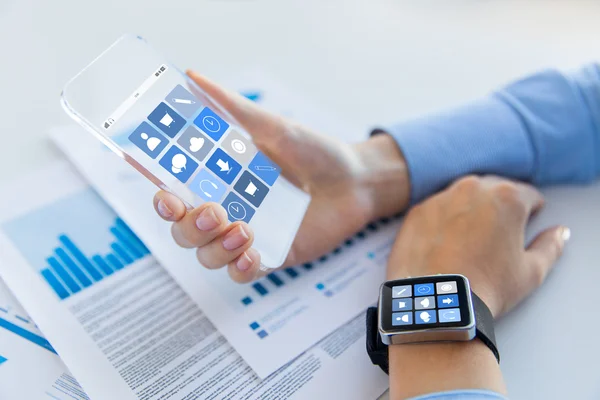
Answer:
(370, 61)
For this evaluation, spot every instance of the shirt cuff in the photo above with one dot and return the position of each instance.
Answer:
(483, 137)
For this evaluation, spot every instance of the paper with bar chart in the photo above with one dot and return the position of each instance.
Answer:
(120, 322)
(25, 352)
(282, 314)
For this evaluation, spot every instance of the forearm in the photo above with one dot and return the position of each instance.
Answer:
(419, 369)
(544, 129)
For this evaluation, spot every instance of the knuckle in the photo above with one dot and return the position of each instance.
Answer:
(507, 192)
(470, 183)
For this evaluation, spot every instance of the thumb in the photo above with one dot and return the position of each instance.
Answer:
(543, 252)
(261, 124)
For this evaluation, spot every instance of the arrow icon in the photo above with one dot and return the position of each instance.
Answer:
(224, 165)
(447, 300)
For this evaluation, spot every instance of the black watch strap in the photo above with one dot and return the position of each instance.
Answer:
(485, 325)
(378, 351)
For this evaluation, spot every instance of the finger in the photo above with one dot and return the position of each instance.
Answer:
(200, 226)
(261, 124)
(245, 268)
(169, 206)
(228, 246)
(543, 252)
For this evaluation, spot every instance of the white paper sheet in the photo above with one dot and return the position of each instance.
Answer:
(281, 315)
(123, 326)
(29, 366)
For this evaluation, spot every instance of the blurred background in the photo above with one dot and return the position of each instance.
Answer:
(371, 62)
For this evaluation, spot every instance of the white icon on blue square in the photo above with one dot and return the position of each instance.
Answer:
(449, 315)
(167, 120)
(447, 301)
(178, 164)
(425, 317)
(402, 318)
(423, 289)
(223, 166)
(148, 139)
(211, 123)
(251, 189)
(237, 209)
(264, 168)
(402, 304)
(208, 186)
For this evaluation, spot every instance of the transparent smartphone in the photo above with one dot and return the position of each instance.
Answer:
(153, 116)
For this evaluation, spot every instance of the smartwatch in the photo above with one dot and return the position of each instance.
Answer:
(437, 308)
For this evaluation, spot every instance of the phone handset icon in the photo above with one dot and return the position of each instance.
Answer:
(206, 190)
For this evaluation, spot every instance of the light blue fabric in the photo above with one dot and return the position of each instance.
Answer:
(462, 395)
(544, 129)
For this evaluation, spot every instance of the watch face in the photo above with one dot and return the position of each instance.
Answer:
(424, 303)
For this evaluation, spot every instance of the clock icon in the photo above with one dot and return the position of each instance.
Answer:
(236, 210)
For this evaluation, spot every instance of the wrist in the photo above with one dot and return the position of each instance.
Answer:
(417, 369)
(384, 176)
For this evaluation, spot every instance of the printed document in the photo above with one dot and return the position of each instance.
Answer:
(123, 326)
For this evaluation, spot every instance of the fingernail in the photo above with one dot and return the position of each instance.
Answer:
(163, 209)
(244, 262)
(207, 220)
(235, 238)
(564, 234)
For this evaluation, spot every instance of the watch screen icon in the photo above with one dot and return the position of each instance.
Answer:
(402, 318)
(446, 287)
(424, 289)
(449, 315)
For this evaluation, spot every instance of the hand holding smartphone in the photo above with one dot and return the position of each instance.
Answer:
(157, 119)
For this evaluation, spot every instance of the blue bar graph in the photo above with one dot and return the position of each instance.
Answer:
(291, 272)
(62, 273)
(114, 262)
(75, 242)
(260, 289)
(99, 261)
(55, 284)
(80, 257)
(120, 251)
(275, 279)
(77, 272)
(24, 333)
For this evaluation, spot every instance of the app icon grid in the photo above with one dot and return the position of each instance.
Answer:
(175, 120)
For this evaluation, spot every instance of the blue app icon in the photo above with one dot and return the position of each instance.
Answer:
(223, 166)
(264, 168)
(401, 318)
(237, 209)
(425, 317)
(167, 120)
(211, 123)
(447, 301)
(423, 289)
(449, 315)
(402, 304)
(208, 186)
(148, 139)
(178, 164)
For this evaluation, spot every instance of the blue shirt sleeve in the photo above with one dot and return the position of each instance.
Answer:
(462, 395)
(543, 129)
